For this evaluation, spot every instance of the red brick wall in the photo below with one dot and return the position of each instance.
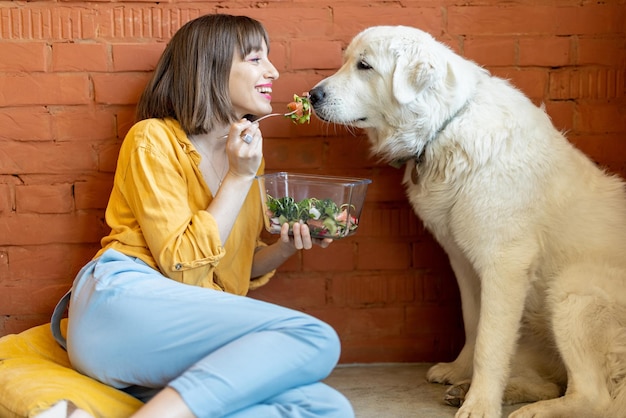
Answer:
(71, 72)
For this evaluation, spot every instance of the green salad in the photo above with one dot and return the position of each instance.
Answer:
(300, 109)
(323, 216)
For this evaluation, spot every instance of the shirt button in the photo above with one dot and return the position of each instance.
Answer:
(179, 266)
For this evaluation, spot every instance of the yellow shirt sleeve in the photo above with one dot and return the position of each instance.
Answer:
(157, 213)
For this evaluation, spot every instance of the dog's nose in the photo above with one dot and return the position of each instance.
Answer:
(316, 95)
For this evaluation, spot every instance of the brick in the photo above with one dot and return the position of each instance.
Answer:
(46, 23)
(562, 114)
(350, 151)
(44, 89)
(26, 123)
(30, 298)
(390, 220)
(617, 168)
(487, 19)
(124, 118)
(83, 123)
(348, 21)
(119, 88)
(455, 43)
(425, 348)
(533, 82)
(24, 56)
(440, 287)
(602, 51)
(39, 229)
(601, 118)
(143, 22)
(427, 253)
(386, 184)
(374, 322)
(592, 19)
(291, 23)
(14, 324)
(49, 198)
(79, 57)
(23, 158)
(107, 156)
(7, 199)
(293, 291)
(535, 19)
(4, 268)
(364, 290)
(137, 56)
(601, 147)
(293, 155)
(339, 256)
(56, 264)
(590, 83)
(315, 55)
(545, 51)
(441, 319)
(383, 254)
(488, 51)
(93, 193)
(278, 55)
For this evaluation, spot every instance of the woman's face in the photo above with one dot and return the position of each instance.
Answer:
(250, 83)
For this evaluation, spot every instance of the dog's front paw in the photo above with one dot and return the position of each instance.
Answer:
(455, 395)
(448, 373)
(479, 409)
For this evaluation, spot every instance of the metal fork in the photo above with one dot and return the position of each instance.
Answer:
(275, 114)
(267, 116)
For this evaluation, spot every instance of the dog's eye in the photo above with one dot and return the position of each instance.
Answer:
(363, 65)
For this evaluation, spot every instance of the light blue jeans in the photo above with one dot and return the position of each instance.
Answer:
(226, 355)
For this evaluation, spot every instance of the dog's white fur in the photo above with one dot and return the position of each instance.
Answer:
(534, 230)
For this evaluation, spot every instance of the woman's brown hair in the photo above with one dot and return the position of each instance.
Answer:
(190, 82)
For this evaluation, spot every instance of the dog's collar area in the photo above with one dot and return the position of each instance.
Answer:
(402, 161)
(419, 157)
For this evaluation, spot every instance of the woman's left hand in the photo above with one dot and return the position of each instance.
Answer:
(301, 238)
(268, 258)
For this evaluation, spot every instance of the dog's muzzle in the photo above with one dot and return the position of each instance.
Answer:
(316, 97)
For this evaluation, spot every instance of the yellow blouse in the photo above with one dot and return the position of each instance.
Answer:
(156, 212)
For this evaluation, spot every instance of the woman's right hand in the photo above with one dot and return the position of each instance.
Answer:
(244, 158)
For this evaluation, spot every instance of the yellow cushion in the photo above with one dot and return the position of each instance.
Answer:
(35, 373)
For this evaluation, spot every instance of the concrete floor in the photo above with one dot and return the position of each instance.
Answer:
(393, 391)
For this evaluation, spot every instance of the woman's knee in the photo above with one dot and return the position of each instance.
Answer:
(326, 344)
(333, 343)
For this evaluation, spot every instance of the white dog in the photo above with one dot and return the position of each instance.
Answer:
(534, 230)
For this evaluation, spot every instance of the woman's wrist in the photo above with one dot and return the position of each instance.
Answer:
(242, 182)
(270, 257)
(286, 249)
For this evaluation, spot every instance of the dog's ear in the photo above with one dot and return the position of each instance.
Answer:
(415, 71)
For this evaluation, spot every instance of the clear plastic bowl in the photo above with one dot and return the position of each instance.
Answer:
(329, 205)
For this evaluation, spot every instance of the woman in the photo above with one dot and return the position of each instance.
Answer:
(162, 305)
